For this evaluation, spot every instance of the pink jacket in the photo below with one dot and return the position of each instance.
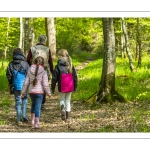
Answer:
(42, 84)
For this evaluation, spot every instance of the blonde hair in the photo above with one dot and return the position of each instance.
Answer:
(64, 53)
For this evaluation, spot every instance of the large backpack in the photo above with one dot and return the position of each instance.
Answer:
(19, 78)
(43, 51)
(66, 81)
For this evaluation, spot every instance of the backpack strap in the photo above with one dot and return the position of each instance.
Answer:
(18, 69)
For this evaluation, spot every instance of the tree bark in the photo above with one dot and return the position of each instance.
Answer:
(21, 33)
(139, 51)
(123, 53)
(31, 32)
(51, 36)
(127, 45)
(28, 34)
(106, 91)
(6, 40)
(6, 43)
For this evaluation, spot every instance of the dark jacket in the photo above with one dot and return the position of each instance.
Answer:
(18, 57)
(61, 68)
(29, 58)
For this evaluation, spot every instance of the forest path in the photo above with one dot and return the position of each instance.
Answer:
(116, 117)
(50, 120)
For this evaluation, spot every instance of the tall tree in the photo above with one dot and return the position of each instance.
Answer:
(31, 33)
(123, 52)
(138, 43)
(6, 42)
(51, 35)
(21, 33)
(127, 44)
(28, 34)
(106, 91)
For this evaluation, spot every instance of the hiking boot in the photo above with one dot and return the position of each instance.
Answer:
(25, 120)
(36, 125)
(18, 122)
(63, 113)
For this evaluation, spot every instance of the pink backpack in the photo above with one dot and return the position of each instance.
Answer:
(67, 83)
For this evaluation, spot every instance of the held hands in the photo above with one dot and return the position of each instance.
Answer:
(49, 95)
(22, 95)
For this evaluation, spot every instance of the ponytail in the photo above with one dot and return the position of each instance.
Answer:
(69, 64)
(38, 61)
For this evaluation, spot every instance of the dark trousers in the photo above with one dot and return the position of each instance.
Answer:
(44, 98)
(44, 95)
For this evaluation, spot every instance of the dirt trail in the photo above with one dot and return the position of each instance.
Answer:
(116, 117)
(50, 120)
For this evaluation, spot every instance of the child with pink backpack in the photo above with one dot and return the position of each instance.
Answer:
(65, 74)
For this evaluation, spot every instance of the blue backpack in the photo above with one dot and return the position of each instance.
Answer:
(19, 78)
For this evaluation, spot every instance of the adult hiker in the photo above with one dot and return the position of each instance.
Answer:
(41, 50)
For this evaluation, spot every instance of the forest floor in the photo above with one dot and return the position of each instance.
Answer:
(116, 117)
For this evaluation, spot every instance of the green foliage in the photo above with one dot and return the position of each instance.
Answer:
(39, 27)
(3, 79)
(133, 85)
(78, 34)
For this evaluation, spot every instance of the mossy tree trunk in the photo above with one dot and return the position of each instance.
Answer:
(106, 91)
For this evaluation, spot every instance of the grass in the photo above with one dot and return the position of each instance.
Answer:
(3, 79)
(134, 86)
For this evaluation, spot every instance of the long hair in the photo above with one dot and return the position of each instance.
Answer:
(64, 53)
(38, 61)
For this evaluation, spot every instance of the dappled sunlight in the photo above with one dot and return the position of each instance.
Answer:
(116, 117)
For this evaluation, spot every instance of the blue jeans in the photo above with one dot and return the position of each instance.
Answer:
(20, 105)
(36, 104)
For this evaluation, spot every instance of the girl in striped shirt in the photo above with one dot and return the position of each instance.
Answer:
(36, 82)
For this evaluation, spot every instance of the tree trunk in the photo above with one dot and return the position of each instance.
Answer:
(106, 91)
(21, 33)
(139, 42)
(127, 45)
(28, 34)
(117, 41)
(51, 36)
(6, 41)
(123, 53)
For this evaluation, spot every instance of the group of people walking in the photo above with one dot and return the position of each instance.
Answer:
(31, 76)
